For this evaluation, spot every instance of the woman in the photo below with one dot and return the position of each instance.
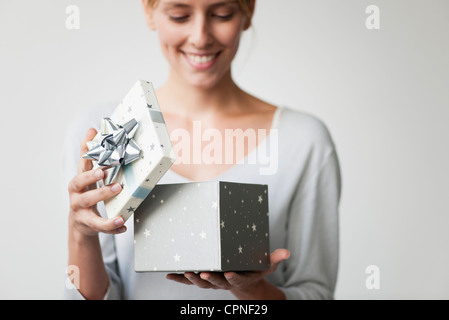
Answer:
(199, 40)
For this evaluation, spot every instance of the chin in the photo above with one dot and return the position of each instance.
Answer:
(204, 82)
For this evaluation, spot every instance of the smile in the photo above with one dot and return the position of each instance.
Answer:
(201, 61)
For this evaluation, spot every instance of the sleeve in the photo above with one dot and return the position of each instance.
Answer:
(70, 159)
(312, 234)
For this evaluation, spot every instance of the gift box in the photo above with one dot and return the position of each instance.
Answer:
(207, 226)
(138, 134)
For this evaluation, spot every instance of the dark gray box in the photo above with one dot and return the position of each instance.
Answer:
(206, 226)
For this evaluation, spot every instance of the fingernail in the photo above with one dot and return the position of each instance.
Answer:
(116, 187)
(122, 229)
(98, 173)
(119, 221)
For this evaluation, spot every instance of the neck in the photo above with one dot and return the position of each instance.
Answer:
(181, 98)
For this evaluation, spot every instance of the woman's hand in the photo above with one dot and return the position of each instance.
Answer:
(244, 285)
(84, 196)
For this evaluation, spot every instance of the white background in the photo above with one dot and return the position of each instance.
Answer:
(383, 94)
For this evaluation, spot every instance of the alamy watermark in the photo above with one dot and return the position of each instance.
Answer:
(73, 277)
(233, 146)
(372, 282)
(72, 21)
(372, 22)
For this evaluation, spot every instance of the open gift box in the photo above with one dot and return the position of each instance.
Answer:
(207, 226)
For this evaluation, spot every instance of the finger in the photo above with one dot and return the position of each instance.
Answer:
(90, 198)
(99, 224)
(276, 257)
(216, 279)
(234, 279)
(90, 134)
(84, 179)
(196, 280)
(86, 164)
(178, 278)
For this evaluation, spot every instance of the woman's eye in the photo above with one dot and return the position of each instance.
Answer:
(223, 16)
(179, 18)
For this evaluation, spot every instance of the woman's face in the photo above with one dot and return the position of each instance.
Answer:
(199, 38)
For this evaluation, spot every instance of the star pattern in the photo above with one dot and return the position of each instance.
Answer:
(224, 230)
(131, 209)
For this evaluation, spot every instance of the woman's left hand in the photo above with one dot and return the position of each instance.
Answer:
(244, 285)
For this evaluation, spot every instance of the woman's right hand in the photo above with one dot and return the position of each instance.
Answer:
(84, 196)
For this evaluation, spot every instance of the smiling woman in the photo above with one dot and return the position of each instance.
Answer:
(199, 39)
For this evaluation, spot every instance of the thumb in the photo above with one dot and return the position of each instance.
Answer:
(85, 164)
(276, 257)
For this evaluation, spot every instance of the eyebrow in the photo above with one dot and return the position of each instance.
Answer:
(175, 4)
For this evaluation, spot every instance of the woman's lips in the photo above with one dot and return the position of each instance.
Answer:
(201, 61)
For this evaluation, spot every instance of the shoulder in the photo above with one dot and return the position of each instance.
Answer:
(306, 129)
(305, 140)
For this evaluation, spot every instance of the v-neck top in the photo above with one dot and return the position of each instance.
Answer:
(303, 178)
(251, 156)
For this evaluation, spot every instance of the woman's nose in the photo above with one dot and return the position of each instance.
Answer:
(201, 37)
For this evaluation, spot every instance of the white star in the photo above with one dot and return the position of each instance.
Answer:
(254, 227)
(203, 235)
(260, 199)
(222, 224)
(240, 249)
(177, 257)
(146, 233)
(162, 201)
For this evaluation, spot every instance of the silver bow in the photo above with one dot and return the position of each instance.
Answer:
(114, 147)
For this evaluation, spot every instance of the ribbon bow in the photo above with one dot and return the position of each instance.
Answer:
(114, 147)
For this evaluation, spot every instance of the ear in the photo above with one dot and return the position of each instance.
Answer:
(252, 5)
(148, 10)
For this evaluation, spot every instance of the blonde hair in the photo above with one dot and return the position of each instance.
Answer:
(245, 5)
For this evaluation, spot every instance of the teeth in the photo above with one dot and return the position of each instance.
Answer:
(200, 59)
